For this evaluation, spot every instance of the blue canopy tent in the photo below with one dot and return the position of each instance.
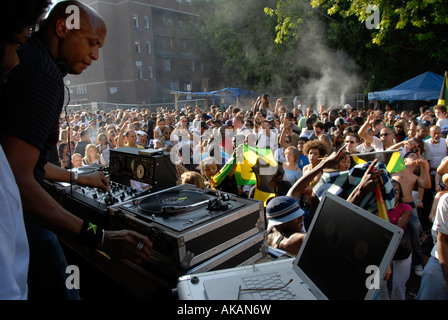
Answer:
(234, 93)
(423, 87)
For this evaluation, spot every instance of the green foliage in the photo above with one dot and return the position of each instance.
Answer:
(394, 14)
(265, 45)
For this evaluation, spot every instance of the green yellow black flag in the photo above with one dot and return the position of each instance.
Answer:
(391, 159)
(444, 91)
(257, 167)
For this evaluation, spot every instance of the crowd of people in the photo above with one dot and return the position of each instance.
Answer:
(300, 139)
(37, 142)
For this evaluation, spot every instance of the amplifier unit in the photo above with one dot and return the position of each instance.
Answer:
(150, 166)
(189, 225)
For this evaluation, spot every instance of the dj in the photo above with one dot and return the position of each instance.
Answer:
(32, 102)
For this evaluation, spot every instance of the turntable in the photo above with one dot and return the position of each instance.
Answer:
(189, 225)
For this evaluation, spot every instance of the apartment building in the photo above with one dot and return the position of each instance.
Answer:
(147, 54)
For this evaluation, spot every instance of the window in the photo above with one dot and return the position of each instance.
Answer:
(187, 85)
(146, 22)
(174, 85)
(148, 47)
(139, 73)
(191, 65)
(184, 44)
(135, 20)
(167, 65)
(167, 42)
(82, 89)
(150, 74)
(167, 21)
(137, 46)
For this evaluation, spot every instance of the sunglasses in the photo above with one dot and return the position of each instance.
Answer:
(384, 134)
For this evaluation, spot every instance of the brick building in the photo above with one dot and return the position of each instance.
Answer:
(147, 54)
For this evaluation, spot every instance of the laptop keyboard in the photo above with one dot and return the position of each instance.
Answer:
(266, 287)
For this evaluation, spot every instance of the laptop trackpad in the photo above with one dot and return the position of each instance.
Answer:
(222, 289)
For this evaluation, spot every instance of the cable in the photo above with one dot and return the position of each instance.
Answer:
(67, 120)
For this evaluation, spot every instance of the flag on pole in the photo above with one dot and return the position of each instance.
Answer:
(444, 91)
(342, 183)
(394, 164)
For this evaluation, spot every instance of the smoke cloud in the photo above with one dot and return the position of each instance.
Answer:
(316, 73)
(333, 78)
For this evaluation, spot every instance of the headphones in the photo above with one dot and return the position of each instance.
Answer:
(62, 66)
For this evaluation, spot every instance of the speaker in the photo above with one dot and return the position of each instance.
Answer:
(150, 166)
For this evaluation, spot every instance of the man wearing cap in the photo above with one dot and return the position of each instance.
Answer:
(285, 224)
(143, 140)
(217, 124)
(340, 123)
(348, 109)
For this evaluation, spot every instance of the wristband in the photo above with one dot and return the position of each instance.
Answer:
(75, 176)
(90, 235)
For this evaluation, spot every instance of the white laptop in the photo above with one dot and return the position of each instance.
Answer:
(345, 255)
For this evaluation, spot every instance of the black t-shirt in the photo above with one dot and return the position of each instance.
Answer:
(33, 99)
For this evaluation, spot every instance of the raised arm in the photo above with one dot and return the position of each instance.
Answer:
(364, 130)
(305, 180)
(424, 180)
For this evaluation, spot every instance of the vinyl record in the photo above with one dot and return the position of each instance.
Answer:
(173, 202)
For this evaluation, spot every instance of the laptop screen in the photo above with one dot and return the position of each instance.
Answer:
(342, 244)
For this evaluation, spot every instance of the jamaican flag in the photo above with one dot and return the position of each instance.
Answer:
(394, 164)
(444, 91)
(342, 183)
(253, 166)
(391, 158)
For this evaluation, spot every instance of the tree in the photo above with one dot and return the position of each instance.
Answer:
(407, 38)
(237, 41)
(418, 15)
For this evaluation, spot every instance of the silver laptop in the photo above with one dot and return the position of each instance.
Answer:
(345, 255)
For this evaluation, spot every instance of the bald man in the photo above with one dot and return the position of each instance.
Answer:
(32, 102)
